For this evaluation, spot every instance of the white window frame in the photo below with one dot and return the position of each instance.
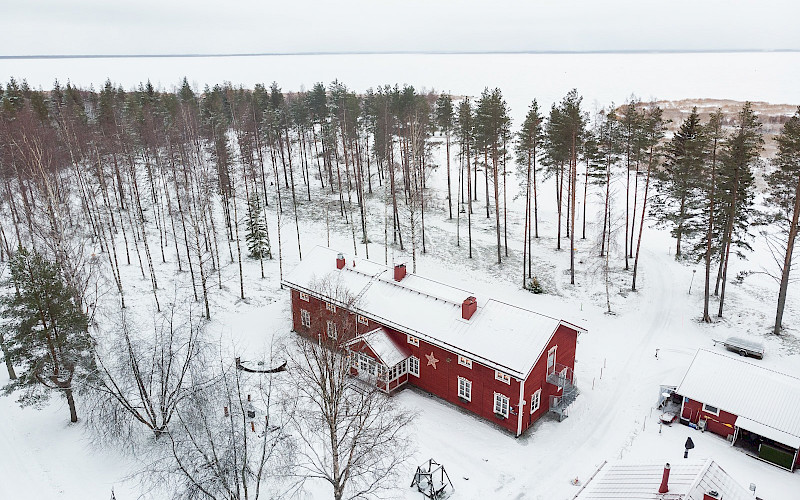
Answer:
(363, 320)
(464, 361)
(413, 366)
(536, 400)
(397, 371)
(412, 340)
(501, 404)
(331, 330)
(465, 388)
(502, 377)
(706, 409)
(304, 297)
(305, 318)
(330, 306)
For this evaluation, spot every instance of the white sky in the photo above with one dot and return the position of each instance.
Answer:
(48, 27)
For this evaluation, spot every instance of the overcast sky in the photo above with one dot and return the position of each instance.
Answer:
(50, 27)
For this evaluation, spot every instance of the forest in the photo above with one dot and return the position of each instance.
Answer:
(101, 188)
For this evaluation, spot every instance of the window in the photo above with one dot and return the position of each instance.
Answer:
(465, 361)
(305, 318)
(304, 296)
(536, 400)
(464, 389)
(397, 370)
(502, 377)
(710, 409)
(331, 330)
(363, 320)
(329, 306)
(413, 366)
(412, 340)
(500, 405)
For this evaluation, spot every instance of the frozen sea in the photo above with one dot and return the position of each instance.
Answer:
(600, 78)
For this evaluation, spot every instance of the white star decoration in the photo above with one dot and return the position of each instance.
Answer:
(432, 360)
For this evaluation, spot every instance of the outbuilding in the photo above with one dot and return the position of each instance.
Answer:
(501, 361)
(686, 480)
(754, 407)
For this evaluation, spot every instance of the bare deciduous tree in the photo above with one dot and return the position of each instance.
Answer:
(353, 436)
(144, 377)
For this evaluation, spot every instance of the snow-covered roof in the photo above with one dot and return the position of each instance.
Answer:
(382, 344)
(765, 401)
(688, 480)
(502, 336)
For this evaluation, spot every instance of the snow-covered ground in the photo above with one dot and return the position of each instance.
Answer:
(616, 369)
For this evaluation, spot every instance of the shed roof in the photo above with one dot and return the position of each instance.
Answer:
(505, 337)
(758, 396)
(688, 480)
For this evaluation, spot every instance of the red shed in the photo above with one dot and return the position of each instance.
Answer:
(750, 405)
(503, 362)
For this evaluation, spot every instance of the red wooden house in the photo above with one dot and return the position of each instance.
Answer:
(752, 406)
(503, 362)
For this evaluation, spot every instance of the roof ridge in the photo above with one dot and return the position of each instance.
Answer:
(745, 362)
(524, 309)
(699, 477)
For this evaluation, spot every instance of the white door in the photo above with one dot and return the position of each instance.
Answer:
(551, 360)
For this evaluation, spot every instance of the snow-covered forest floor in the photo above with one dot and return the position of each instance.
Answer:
(616, 368)
(617, 371)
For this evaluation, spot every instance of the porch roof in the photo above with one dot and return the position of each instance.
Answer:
(383, 345)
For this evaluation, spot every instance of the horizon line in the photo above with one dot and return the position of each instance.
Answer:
(398, 52)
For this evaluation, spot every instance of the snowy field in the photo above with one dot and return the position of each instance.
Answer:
(43, 457)
(600, 78)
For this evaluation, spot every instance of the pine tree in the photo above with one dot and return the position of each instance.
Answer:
(784, 185)
(528, 140)
(445, 120)
(714, 131)
(465, 129)
(740, 153)
(48, 331)
(608, 154)
(653, 132)
(256, 236)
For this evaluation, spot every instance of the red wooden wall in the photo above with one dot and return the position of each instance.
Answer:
(442, 380)
(566, 339)
(722, 424)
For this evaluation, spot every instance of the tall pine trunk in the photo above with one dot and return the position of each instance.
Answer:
(787, 261)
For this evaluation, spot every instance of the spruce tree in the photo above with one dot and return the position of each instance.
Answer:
(47, 331)
(256, 236)
(679, 181)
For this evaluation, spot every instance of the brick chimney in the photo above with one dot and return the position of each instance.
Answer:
(711, 495)
(664, 480)
(468, 307)
(340, 261)
(399, 272)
